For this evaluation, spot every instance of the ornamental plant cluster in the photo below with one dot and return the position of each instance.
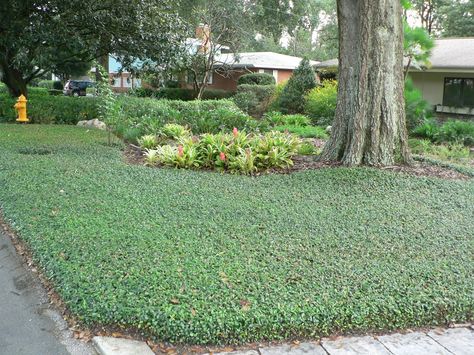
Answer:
(236, 152)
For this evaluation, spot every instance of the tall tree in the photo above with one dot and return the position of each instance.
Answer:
(33, 31)
(457, 18)
(369, 126)
(428, 12)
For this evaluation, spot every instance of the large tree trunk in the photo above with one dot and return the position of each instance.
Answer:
(369, 127)
(14, 80)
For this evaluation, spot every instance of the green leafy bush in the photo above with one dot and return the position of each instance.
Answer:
(142, 92)
(246, 101)
(292, 99)
(256, 79)
(452, 131)
(274, 104)
(278, 119)
(45, 108)
(254, 99)
(150, 115)
(176, 93)
(57, 85)
(321, 103)
(452, 151)
(417, 109)
(307, 148)
(456, 131)
(55, 92)
(304, 131)
(46, 84)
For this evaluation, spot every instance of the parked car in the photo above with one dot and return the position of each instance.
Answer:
(77, 87)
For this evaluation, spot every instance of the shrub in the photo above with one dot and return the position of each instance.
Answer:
(50, 109)
(452, 131)
(307, 148)
(277, 119)
(246, 101)
(150, 115)
(55, 92)
(429, 129)
(256, 79)
(217, 94)
(274, 104)
(142, 92)
(330, 73)
(451, 151)
(304, 131)
(254, 99)
(417, 109)
(292, 99)
(456, 131)
(46, 84)
(57, 85)
(33, 91)
(321, 103)
(176, 93)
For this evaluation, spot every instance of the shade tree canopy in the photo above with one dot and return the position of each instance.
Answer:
(55, 33)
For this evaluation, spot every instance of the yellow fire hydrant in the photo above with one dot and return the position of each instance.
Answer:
(20, 106)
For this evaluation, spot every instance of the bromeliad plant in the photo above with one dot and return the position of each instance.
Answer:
(236, 152)
(148, 141)
(175, 131)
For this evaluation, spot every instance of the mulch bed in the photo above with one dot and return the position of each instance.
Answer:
(133, 155)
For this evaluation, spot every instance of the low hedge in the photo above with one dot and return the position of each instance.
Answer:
(256, 79)
(138, 116)
(181, 94)
(142, 116)
(50, 109)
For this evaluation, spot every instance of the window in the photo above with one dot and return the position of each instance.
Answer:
(272, 72)
(190, 78)
(458, 92)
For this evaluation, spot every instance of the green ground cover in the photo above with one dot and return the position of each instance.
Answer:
(202, 257)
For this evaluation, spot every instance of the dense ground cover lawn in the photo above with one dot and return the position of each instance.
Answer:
(201, 257)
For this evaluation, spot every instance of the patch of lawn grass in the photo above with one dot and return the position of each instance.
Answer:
(200, 257)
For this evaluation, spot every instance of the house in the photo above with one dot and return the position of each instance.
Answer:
(448, 83)
(121, 80)
(229, 67)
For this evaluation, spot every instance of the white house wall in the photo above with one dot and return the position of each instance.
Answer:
(431, 84)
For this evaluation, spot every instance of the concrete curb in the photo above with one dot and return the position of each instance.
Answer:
(457, 341)
(120, 346)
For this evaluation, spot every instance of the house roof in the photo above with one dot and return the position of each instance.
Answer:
(448, 54)
(453, 53)
(263, 60)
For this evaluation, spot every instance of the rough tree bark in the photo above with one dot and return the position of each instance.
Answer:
(369, 126)
(14, 80)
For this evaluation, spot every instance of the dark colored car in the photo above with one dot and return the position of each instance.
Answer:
(77, 87)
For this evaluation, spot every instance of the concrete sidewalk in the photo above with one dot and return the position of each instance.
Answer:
(28, 324)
